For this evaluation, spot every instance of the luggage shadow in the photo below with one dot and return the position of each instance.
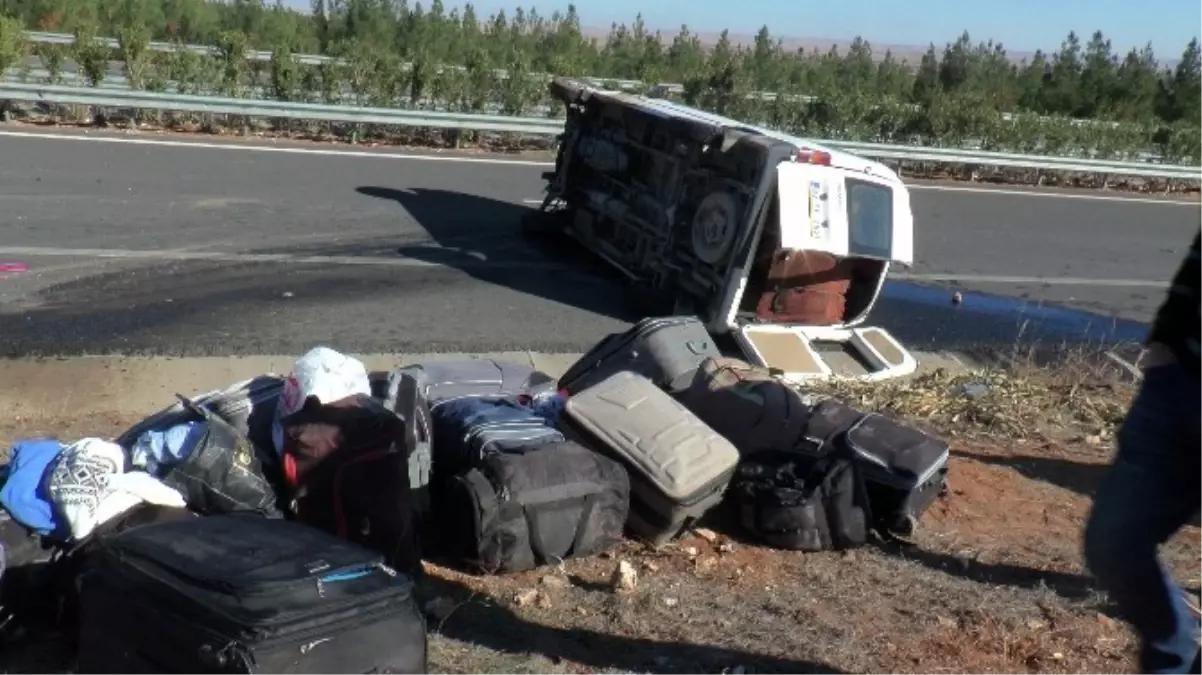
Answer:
(471, 231)
(1082, 478)
(492, 626)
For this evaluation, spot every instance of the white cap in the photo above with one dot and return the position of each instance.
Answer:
(325, 374)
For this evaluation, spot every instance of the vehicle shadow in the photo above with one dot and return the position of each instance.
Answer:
(486, 623)
(484, 238)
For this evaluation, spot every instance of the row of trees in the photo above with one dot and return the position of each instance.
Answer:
(394, 53)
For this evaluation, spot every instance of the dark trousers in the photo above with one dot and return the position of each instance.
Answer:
(1152, 489)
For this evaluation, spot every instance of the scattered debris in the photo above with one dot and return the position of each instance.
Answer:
(625, 577)
(946, 622)
(554, 581)
(690, 551)
(706, 534)
(726, 548)
(705, 563)
(671, 602)
(526, 597)
(849, 556)
(650, 566)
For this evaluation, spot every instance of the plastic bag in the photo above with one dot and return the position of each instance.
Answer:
(324, 374)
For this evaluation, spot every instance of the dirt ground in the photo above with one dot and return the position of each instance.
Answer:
(993, 582)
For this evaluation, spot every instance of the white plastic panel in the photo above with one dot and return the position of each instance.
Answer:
(790, 349)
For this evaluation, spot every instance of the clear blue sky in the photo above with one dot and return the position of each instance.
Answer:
(1021, 25)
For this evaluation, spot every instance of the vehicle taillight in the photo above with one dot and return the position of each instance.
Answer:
(814, 157)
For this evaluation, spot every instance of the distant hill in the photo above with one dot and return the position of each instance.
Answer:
(909, 53)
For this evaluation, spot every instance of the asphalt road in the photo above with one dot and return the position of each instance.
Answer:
(164, 249)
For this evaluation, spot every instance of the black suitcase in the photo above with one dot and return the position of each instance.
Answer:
(540, 506)
(904, 468)
(25, 578)
(244, 594)
(665, 350)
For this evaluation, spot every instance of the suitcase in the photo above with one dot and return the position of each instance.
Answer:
(242, 593)
(468, 429)
(25, 578)
(405, 397)
(678, 466)
(904, 468)
(536, 507)
(444, 380)
(665, 350)
(806, 287)
(248, 406)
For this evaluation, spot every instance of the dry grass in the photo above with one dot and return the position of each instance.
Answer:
(992, 583)
(1075, 394)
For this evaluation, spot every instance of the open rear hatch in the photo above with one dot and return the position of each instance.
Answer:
(864, 222)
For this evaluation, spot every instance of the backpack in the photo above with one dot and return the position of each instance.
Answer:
(347, 466)
(797, 502)
(753, 409)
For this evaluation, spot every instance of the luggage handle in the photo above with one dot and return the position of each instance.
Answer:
(698, 347)
(531, 512)
(406, 407)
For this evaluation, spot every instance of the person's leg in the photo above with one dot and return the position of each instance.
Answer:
(1151, 490)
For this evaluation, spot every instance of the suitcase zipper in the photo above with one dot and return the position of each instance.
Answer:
(338, 574)
(241, 623)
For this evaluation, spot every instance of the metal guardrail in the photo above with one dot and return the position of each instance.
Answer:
(307, 59)
(53, 94)
(278, 109)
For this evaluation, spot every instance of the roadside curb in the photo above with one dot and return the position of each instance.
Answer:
(90, 385)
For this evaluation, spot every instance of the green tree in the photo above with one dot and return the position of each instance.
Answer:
(13, 45)
(1098, 85)
(1186, 86)
(927, 81)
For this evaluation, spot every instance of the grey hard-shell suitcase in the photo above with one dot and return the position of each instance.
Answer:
(678, 466)
(445, 380)
(248, 406)
(665, 350)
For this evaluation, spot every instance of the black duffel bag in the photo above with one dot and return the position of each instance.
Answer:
(527, 508)
(797, 502)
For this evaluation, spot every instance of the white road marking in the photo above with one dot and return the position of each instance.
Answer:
(469, 261)
(247, 147)
(1057, 195)
(473, 259)
(1049, 281)
(268, 148)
